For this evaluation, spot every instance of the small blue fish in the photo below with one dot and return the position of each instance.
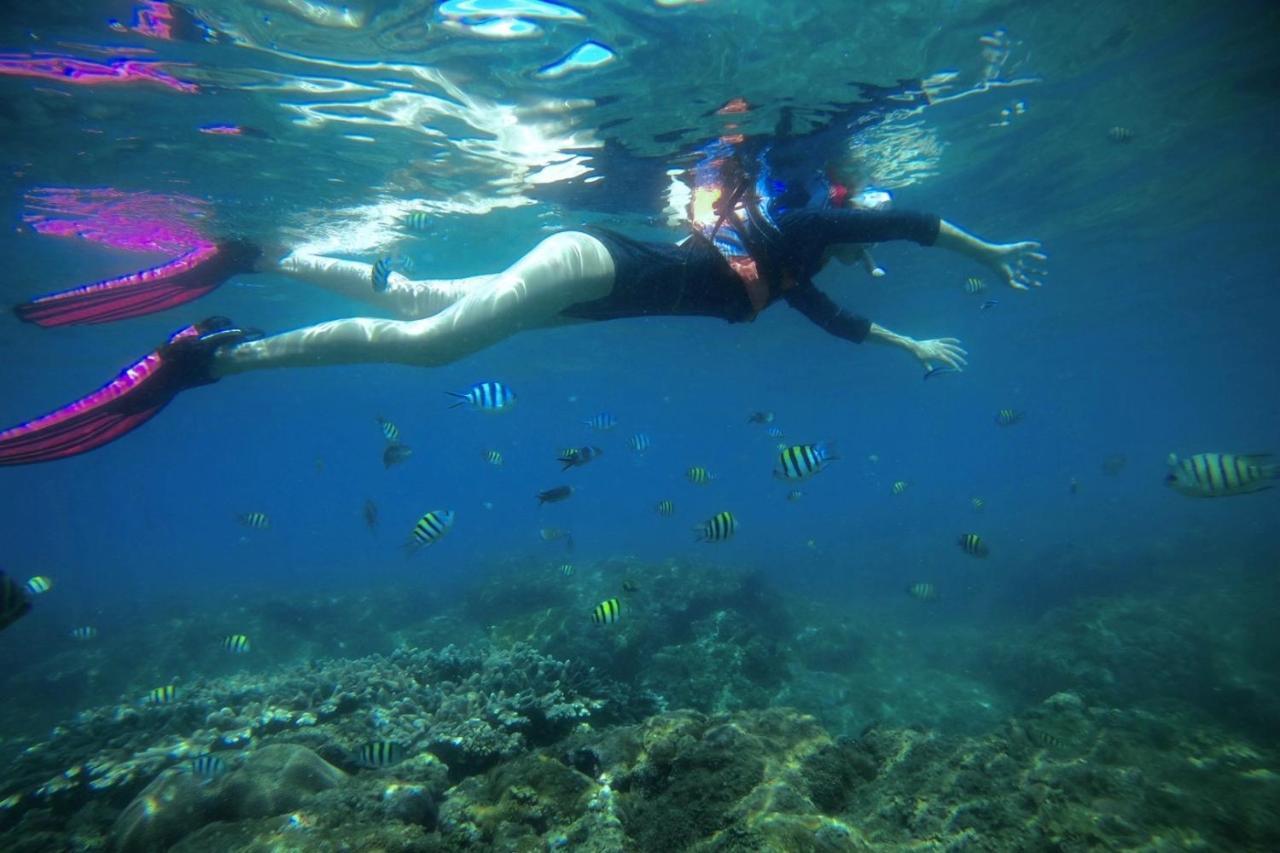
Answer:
(940, 368)
(418, 221)
(381, 275)
(990, 303)
(640, 442)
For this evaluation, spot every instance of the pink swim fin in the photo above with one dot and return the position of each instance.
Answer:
(188, 276)
(125, 403)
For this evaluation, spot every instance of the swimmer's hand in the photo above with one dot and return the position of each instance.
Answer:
(1020, 265)
(946, 351)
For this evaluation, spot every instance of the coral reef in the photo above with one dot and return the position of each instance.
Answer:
(675, 729)
(470, 707)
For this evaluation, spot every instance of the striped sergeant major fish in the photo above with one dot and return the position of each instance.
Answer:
(418, 221)
(84, 632)
(14, 602)
(899, 487)
(208, 766)
(381, 275)
(972, 544)
(717, 528)
(580, 456)
(390, 431)
(640, 442)
(974, 285)
(430, 529)
(803, 460)
(601, 421)
(773, 432)
(760, 418)
(923, 591)
(493, 457)
(381, 753)
(255, 520)
(1213, 475)
(39, 585)
(566, 569)
(1008, 417)
(162, 695)
(665, 508)
(607, 612)
(237, 644)
(490, 396)
(699, 476)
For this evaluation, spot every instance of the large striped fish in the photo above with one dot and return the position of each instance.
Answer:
(1213, 475)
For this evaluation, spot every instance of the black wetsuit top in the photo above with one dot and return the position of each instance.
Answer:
(693, 278)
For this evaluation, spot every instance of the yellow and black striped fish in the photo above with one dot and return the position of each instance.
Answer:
(430, 528)
(39, 585)
(493, 457)
(208, 766)
(566, 569)
(607, 612)
(718, 527)
(237, 644)
(381, 753)
(380, 275)
(972, 544)
(256, 520)
(699, 476)
(1213, 475)
(665, 508)
(418, 221)
(803, 460)
(390, 431)
(162, 695)
(977, 503)
(84, 632)
(1008, 417)
(923, 591)
(899, 487)
(1119, 133)
(974, 285)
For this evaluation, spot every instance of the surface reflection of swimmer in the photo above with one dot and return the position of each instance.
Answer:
(759, 234)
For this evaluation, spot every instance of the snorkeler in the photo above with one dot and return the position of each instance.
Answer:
(756, 240)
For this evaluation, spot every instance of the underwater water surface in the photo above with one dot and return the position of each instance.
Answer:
(378, 636)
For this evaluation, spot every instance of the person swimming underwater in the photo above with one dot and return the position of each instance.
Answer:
(755, 240)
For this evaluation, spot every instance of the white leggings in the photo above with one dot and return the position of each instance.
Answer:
(442, 320)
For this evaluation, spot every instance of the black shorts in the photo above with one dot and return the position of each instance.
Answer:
(665, 279)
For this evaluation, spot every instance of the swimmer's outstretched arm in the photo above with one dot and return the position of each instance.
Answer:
(832, 318)
(945, 350)
(1020, 265)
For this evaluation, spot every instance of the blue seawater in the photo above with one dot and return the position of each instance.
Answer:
(1135, 140)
